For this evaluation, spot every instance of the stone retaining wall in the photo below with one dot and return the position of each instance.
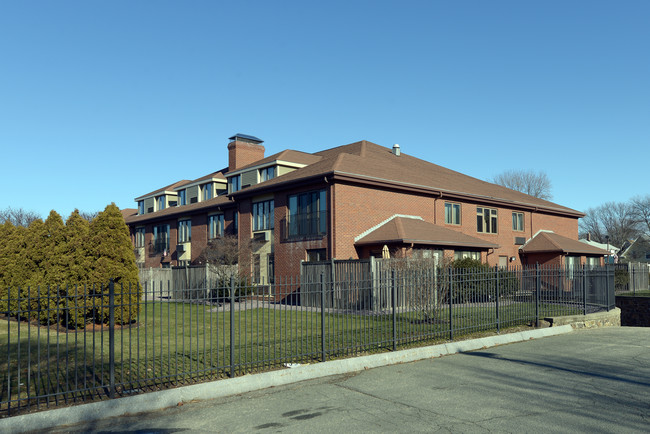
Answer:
(592, 320)
(635, 311)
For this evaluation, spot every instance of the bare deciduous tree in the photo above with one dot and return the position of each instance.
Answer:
(88, 215)
(526, 181)
(424, 283)
(614, 219)
(641, 210)
(229, 258)
(18, 216)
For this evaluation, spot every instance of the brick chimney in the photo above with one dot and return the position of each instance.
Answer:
(244, 150)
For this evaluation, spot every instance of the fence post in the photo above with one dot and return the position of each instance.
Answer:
(451, 296)
(393, 303)
(111, 338)
(322, 316)
(9, 344)
(496, 271)
(607, 284)
(232, 327)
(584, 290)
(538, 287)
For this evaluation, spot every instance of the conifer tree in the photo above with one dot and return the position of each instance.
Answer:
(75, 258)
(19, 266)
(48, 281)
(113, 258)
(8, 249)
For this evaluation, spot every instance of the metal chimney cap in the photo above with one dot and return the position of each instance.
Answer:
(396, 150)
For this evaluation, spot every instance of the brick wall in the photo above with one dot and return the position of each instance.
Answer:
(359, 208)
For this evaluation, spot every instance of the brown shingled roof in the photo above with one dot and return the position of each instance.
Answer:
(170, 187)
(409, 230)
(366, 161)
(219, 174)
(552, 242)
(128, 212)
(289, 155)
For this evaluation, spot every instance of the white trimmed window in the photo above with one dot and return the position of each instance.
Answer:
(206, 191)
(160, 202)
(462, 254)
(215, 226)
(139, 237)
(452, 213)
(184, 231)
(263, 215)
(234, 183)
(518, 221)
(486, 220)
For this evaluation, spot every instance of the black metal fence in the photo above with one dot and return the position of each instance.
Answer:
(632, 277)
(221, 332)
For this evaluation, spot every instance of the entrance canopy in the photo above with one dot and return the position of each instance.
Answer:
(550, 242)
(414, 230)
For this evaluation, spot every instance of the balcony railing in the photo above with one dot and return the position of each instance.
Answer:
(158, 247)
(306, 225)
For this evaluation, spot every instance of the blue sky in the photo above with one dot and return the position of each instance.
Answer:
(105, 101)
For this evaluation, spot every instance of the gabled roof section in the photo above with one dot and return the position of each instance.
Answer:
(174, 211)
(373, 164)
(414, 230)
(550, 242)
(288, 155)
(219, 174)
(128, 212)
(169, 188)
(641, 240)
(601, 245)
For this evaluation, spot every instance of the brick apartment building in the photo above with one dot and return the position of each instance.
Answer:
(352, 201)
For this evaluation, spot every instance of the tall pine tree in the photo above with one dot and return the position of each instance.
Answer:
(113, 257)
(75, 258)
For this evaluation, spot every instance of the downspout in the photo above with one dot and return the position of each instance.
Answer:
(330, 232)
(435, 208)
(532, 213)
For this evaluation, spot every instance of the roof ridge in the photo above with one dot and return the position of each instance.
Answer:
(400, 227)
(552, 241)
(377, 226)
(337, 161)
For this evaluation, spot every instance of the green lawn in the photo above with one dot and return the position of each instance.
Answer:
(634, 294)
(175, 343)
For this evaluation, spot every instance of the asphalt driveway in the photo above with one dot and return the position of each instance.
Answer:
(594, 380)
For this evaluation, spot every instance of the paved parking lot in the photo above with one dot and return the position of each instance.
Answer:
(586, 381)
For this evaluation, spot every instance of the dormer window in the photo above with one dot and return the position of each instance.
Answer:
(160, 202)
(234, 183)
(206, 191)
(182, 198)
(140, 207)
(267, 173)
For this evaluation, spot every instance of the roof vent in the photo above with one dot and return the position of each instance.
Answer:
(396, 150)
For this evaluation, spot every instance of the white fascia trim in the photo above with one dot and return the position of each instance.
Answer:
(160, 193)
(265, 165)
(377, 226)
(203, 181)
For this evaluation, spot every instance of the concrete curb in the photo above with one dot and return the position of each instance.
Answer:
(221, 388)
